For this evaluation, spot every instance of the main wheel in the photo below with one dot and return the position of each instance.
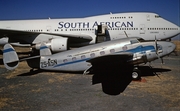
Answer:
(136, 74)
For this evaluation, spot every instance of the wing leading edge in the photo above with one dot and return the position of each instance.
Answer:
(12, 34)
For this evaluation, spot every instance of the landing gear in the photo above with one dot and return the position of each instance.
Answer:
(31, 70)
(33, 63)
(136, 74)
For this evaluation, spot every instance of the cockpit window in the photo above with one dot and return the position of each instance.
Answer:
(157, 16)
(134, 41)
(159, 47)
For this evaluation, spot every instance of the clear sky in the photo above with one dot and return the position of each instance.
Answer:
(37, 9)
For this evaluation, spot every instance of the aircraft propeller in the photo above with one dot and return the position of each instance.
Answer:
(157, 53)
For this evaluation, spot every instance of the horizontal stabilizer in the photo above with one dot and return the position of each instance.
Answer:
(10, 57)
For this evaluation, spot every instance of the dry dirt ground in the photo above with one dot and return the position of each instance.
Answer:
(56, 91)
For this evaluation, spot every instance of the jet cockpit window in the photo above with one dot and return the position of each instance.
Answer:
(157, 16)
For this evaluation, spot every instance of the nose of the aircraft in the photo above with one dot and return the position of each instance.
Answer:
(167, 48)
(177, 31)
(171, 47)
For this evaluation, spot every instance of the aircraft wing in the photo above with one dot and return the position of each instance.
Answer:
(113, 72)
(111, 58)
(12, 34)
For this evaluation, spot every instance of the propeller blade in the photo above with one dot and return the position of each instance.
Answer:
(162, 61)
(156, 45)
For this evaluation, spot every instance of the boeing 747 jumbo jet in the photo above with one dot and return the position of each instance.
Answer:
(114, 63)
(60, 34)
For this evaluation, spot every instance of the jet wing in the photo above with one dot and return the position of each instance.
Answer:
(113, 72)
(11, 33)
(16, 33)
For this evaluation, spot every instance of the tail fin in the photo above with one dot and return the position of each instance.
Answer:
(10, 57)
(44, 50)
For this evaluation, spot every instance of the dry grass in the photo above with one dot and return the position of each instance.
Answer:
(4, 102)
(177, 45)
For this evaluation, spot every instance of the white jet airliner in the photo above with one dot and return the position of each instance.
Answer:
(60, 34)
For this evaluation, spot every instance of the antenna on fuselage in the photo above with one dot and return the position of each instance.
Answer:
(126, 34)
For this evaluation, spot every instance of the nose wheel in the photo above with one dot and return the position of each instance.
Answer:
(136, 74)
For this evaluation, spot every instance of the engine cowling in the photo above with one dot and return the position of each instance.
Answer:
(59, 44)
(56, 44)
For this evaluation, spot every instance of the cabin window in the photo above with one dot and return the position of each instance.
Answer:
(74, 58)
(124, 48)
(102, 53)
(83, 57)
(92, 55)
(65, 60)
(112, 51)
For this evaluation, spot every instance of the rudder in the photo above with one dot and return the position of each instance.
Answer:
(10, 57)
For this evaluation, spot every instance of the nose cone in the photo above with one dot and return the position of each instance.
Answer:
(171, 30)
(177, 32)
(171, 47)
(3, 41)
(167, 48)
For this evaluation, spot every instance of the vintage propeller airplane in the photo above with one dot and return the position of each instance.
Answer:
(114, 63)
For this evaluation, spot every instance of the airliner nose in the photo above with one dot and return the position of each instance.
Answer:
(177, 31)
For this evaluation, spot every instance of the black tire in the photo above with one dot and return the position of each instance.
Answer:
(136, 74)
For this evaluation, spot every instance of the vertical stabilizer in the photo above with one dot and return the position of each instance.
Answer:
(10, 57)
(44, 50)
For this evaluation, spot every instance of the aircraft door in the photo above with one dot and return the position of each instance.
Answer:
(148, 17)
(142, 29)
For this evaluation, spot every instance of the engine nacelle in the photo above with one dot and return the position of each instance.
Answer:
(59, 44)
(56, 44)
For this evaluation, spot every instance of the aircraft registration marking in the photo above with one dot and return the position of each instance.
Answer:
(48, 63)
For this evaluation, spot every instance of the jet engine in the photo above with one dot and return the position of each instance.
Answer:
(56, 44)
